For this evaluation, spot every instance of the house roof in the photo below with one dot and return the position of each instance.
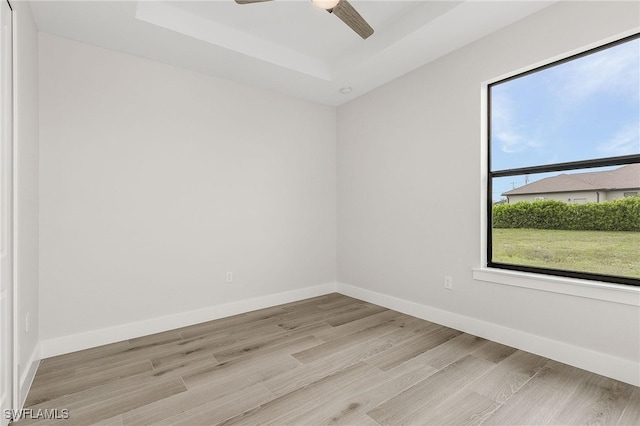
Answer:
(626, 177)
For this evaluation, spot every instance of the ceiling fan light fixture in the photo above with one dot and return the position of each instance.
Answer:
(326, 4)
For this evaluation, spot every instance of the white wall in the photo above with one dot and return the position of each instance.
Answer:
(26, 175)
(155, 181)
(409, 198)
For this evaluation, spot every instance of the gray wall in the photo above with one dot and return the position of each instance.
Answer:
(156, 181)
(410, 174)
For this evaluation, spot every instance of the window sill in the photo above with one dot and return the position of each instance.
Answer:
(616, 293)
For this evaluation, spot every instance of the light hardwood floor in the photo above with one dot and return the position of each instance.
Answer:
(327, 360)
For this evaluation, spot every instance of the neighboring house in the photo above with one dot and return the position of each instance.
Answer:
(593, 187)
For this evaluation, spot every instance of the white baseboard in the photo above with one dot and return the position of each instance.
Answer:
(29, 373)
(625, 370)
(77, 342)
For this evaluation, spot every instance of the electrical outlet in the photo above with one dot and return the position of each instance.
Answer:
(448, 282)
(229, 277)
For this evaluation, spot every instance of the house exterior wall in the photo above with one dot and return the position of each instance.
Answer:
(574, 196)
(616, 195)
(567, 197)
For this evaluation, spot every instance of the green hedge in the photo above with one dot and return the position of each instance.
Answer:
(617, 215)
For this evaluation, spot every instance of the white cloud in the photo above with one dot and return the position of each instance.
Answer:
(613, 71)
(511, 137)
(625, 142)
(536, 115)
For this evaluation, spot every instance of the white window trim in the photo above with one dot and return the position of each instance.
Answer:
(617, 293)
(610, 292)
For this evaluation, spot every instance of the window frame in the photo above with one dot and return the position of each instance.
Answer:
(557, 167)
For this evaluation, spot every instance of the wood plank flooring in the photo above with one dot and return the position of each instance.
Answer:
(327, 360)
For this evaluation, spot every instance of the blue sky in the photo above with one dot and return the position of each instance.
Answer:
(582, 109)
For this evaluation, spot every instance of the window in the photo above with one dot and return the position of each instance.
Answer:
(564, 167)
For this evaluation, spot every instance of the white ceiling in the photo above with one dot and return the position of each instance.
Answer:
(289, 46)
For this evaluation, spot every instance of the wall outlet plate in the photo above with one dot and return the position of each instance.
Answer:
(448, 282)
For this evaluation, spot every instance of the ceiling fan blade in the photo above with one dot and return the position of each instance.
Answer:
(352, 18)
(250, 1)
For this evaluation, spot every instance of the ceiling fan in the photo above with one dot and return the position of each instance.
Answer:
(342, 9)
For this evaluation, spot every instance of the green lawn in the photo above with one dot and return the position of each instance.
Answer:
(611, 253)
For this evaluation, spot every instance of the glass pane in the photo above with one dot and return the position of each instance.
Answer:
(582, 109)
(580, 221)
